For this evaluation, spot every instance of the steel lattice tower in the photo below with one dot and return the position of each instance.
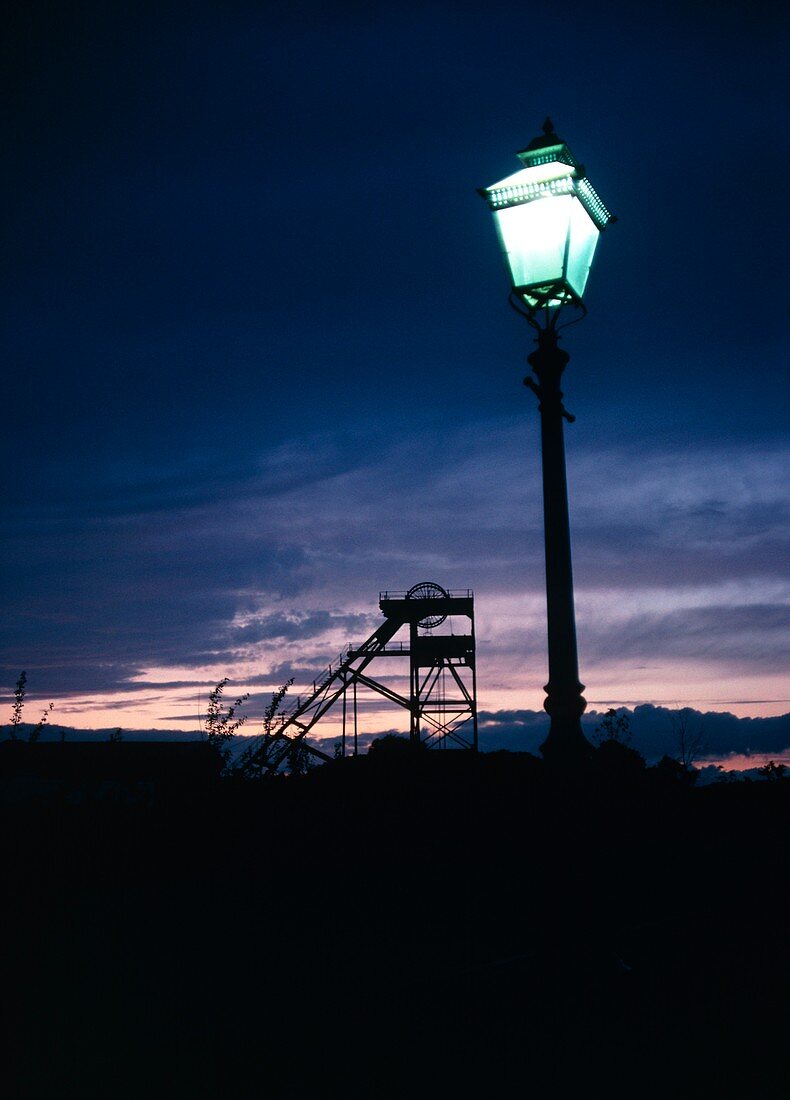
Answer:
(442, 700)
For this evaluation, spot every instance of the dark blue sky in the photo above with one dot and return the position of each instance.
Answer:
(260, 363)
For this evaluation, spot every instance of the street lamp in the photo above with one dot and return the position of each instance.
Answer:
(549, 217)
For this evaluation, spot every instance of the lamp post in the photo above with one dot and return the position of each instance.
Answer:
(549, 217)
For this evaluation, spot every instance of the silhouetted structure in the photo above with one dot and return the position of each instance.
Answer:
(442, 700)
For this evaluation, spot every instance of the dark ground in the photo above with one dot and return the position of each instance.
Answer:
(446, 926)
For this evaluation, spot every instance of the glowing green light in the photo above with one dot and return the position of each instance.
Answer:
(549, 217)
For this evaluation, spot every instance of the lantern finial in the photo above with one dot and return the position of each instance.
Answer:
(544, 140)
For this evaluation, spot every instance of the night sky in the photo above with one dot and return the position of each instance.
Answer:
(260, 363)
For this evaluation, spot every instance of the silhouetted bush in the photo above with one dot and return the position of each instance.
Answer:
(773, 771)
(669, 770)
(616, 760)
(392, 745)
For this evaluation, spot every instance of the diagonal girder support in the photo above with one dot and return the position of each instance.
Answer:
(273, 751)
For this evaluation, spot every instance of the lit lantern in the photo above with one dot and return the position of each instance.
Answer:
(549, 218)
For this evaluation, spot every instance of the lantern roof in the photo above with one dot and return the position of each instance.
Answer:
(548, 168)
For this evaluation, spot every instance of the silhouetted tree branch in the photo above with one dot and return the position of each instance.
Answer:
(35, 733)
(688, 738)
(613, 727)
(221, 720)
(252, 760)
(17, 706)
(20, 690)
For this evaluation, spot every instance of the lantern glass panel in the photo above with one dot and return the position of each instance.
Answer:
(584, 236)
(534, 236)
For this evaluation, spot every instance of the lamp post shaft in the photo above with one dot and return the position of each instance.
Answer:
(564, 700)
